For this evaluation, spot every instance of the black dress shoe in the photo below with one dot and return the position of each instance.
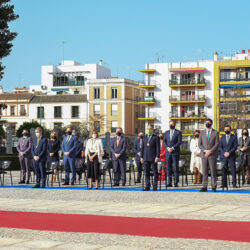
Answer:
(65, 184)
(176, 185)
(214, 189)
(27, 182)
(235, 186)
(21, 182)
(36, 186)
(169, 185)
(146, 189)
(116, 185)
(43, 186)
(123, 184)
(223, 186)
(203, 189)
(72, 183)
(138, 182)
(155, 189)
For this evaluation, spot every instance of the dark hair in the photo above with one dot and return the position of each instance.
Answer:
(243, 130)
(39, 129)
(209, 120)
(228, 126)
(197, 131)
(92, 132)
(151, 125)
(173, 122)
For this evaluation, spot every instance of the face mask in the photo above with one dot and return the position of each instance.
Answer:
(197, 136)
(94, 136)
(149, 132)
(172, 127)
(37, 134)
(25, 134)
(227, 132)
(141, 136)
(208, 125)
(118, 133)
(69, 133)
(161, 137)
(245, 133)
(54, 137)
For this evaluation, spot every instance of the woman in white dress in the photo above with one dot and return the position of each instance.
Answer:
(93, 157)
(195, 163)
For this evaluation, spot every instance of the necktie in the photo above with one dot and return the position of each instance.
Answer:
(68, 138)
(171, 134)
(227, 139)
(117, 141)
(208, 135)
(37, 142)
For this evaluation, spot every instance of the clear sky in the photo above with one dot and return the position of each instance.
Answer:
(125, 34)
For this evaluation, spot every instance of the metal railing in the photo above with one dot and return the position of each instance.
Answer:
(147, 82)
(146, 115)
(146, 99)
(187, 81)
(234, 79)
(186, 114)
(188, 98)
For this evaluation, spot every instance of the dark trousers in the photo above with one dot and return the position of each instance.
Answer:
(147, 167)
(40, 171)
(225, 170)
(119, 166)
(93, 169)
(26, 164)
(139, 169)
(173, 165)
(69, 164)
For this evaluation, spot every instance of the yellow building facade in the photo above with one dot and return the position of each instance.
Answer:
(113, 103)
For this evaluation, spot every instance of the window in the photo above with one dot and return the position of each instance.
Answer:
(57, 112)
(97, 126)
(12, 110)
(151, 93)
(114, 126)
(40, 112)
(22, 110)
(96, 109)
(114, 109)
(75, 111)
(114, 93)
(96, 93)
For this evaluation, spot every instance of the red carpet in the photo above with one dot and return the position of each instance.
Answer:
(171, 228)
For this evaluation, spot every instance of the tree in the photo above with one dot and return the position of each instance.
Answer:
(28, 125)
(6, 36)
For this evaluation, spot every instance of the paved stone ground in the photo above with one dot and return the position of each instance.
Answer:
(194, 205)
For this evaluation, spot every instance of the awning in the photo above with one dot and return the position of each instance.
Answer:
(62, 89)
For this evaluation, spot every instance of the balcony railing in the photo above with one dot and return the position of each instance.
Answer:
(234, 79)
(187, 98)
(146, 99)
(189, 114)
(187, 81)
(97, 113)
(187, 131)
(234, 96)
(147, 83)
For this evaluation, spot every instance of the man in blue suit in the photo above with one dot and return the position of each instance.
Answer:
(137, 151)
(150, 154)
(172, 141)
(228, 146)
(69, 145)
(39, 152)
(118, 147)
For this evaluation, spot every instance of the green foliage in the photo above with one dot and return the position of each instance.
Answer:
(2, 133)
(7, 15)
(28, 125)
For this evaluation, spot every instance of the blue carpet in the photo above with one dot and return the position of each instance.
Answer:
(135, 189)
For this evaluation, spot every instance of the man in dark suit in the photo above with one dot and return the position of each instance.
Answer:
(228, 146)
(209, 145)
(69, 144)
(24, 148)
(150, 154)
(172, 140)
(39, 152)
(137, 151)
(118, 147)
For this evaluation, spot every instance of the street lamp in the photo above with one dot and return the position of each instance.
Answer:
(43, 87)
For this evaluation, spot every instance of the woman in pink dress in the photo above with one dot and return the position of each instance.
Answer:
(162, 157)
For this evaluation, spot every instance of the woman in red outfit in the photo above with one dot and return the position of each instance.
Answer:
(162, 157)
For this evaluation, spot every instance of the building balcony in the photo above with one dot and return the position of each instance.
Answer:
(147, 71)
(147, 84)
(190, 83)
(235, 97)
(186, 116)
(187, 99)
(150, 100)
(186, 70)
(187, 132)
(146, 116)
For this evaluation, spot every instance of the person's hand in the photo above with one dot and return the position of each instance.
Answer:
(226, 154)
(142, 161)
(51, 154)
(170, 150)
(91, 158)
(244, 148)
(139, 153)
(36, 158)
(22, 153)
(66, 153)
(117, 155)
(156, 160)
(207, 153)
(196, 154)
(161, 155)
